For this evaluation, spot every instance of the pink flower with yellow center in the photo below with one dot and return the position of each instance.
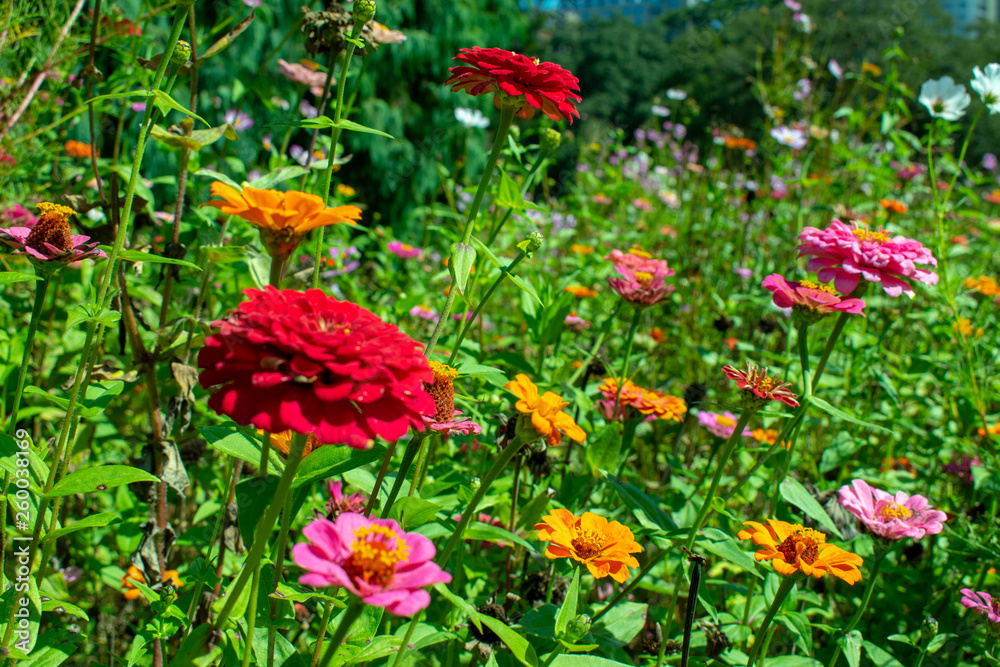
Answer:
(982, 603)
(809, 297)
(846, 254)
(371, 558)
(891, 517)
(404, 250)
(721, 425)
(755, 381)
(642, 280)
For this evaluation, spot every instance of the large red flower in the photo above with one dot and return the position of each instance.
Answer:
(544, 86)
(310, 363)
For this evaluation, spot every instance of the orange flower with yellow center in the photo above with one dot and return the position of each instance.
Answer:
(580, 291)
(793, 548)
(546, 411)
(282, 217)
(132, 591)
(605, 547)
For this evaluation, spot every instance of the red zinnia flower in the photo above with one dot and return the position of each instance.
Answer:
(544, 86)
(310, 363)
(755, 381)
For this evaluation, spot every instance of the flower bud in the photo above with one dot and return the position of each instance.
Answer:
(578, 628)
(531, 243)
(181, 53)
(475, 484)
(550, 140)
(929, 629)
(364, 10)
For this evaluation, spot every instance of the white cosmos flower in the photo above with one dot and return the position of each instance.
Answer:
(790, 136)
(676, 94)
(987, 84)
(471, 118)
(944, 98)
(660, 111)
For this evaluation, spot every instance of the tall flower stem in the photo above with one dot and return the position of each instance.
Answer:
(279, 566)
(406, 639)
(334, 138)
(327, 614)
(779, 597)
(879, 557)
(382, 471)
(831, 343)
(506, 119)
(509, 452)
(29, 342)
(347, 619)
(264, 527)
(412, 447)
(251, 616)
(597, 344)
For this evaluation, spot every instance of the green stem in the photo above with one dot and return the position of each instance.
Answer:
(29, 342)
(277, 268)
(597, 344)
(831, 343)
(758, 641)
(506, 119)
(479, 308)
(803, 344)
(406, 640)
(265, 453)
(864, 604)
(322, 632)
(412, 447)
(347, 619)
(264, 527)
(633, 325)
(383, 469)
(279, 566)
(334, 138)
(467, 515)
(251, 615)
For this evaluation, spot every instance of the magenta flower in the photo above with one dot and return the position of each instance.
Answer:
(575, 323)
(240, 120)
(845, 254)
(642, 281)
(456, 426)
(49, 240)
(338, 504)
(18, 216)
(962, 467)
(424, 313)
(981, 603)
(403, 250)
(720, 425)
(373, 559)
(810, 297)
(891, 517)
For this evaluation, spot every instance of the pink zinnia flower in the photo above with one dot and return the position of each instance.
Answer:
(240, 120)
(49, 240)
(720, 425)
(755, 381)
(403, 250)
(456, 426)
(338, 504)
(424, 313)
(981, 603)
(642, 280)
(18, 216)
(845, 254)
(373, 559)
(810, 297)
(305, 75)
(891, 517)
(575, 323)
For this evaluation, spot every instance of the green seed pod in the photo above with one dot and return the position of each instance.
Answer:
(550, 140)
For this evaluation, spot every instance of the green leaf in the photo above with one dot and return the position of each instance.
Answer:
(239, 445)
(218, 176)
(198, 138)
(413, 512)
(481, 247)
(99, 395)
(138, 256)
(92, 521)
(164, 103)
(793, 492)
(324, 122)
(463, 258)
(355, 127)
(518, 645)
(840, 414)
(59, 607)
(269, 180)
(939, 640)
(568, 609)
(723, 545)
(327, 462)
(880, 657)
(9, 453)
(53, 648)
(525, 286)
(222, 43)
(82, 313)
(509, 195)
(584, 661)
(7, 277)
(646, 509)
(478, 530)
(603, 448)
(99, 478)
(192, 647)
(461, 604)
(620, 625)
(851, 643)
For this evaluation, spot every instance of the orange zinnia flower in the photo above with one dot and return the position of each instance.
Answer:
(282, 441)
(135, 574)
(793, 548)
(77, 149)
(283, 217)
(964, 327)
(580, 291)
(740, 143)
(872, 69)
(985, 285)
(546, 411)
(605, 547)
(991, 430)
(993, 197)
(581, 249)
(892, 205)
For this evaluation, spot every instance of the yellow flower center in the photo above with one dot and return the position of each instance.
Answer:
(375, 553)
(643, 278)
(803, 544)
(587, 544)
(895, 511)
(405, 247)
(724, 421)
(639, 252)
(58, 209)
(863, 235)
(808, 284)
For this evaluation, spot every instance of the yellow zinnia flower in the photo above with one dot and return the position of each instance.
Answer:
(605, 547)
(282, 217)
(546, 411)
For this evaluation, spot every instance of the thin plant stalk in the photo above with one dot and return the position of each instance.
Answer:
(251, 616)
(327, 614)
(759, 639)
(350, 615)
(864, 604)
(412, 447)
(406, 639)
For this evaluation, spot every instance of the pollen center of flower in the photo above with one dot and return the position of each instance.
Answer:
(375, 553)
(51, 228)
(643, 278)
(802, 544)
(639, 252)
(724, 421)
(894, 511)
(587, 544)
(863, 235)
(808, 284)
(442, 390)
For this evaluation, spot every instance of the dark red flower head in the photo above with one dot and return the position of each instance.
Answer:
(544, 86)
(310, 363)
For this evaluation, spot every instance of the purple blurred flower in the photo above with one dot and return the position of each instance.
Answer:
(424, 313)
(308, 110)
(835, 69)
(989, 162)
(238, 119)
(743, 272)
